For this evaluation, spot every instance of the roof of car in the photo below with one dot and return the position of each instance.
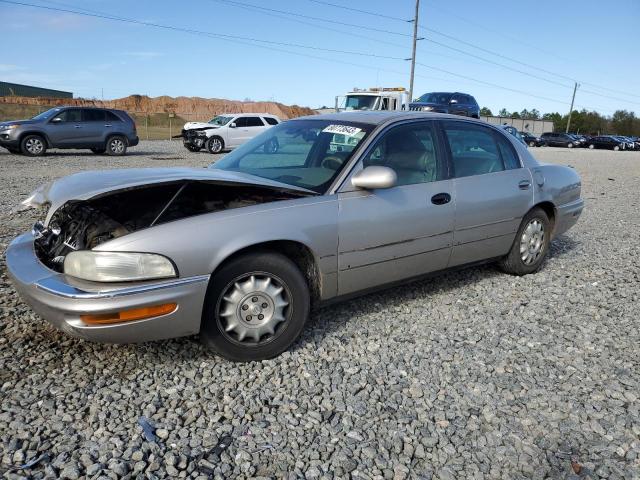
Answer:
(250, 114)
(378, 117)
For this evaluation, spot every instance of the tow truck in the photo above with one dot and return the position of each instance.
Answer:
(375, 98)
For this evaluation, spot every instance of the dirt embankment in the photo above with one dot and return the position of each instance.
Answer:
(205, 107)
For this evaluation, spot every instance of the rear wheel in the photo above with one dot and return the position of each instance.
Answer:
(116, 146)
(592, 146)
(33, 145)
(530, 246)
(215, 145)
(616, 148)
(256, 307)
(532, 144)
(569, 145)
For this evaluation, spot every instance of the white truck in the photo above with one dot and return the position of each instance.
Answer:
(375, 98)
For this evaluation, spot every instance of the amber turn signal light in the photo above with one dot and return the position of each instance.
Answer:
(129, 315)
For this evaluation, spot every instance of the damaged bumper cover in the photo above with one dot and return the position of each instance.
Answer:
(61, 300)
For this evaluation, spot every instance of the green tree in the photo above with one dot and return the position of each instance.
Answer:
(625, 123)
(503, 112)
(514, 115)
(525, 113)
(486, 112)
(534, 114)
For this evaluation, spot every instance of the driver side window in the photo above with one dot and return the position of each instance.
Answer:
(411, 151)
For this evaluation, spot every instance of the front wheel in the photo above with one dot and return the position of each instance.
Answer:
(569, 145)
(532, 144)
(530, 246)
(616, 148)
(215, 145)
(116, 146)
(256, 306)
(33, 145)
(592, 146)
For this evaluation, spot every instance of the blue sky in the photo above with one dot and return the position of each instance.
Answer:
(594, 42)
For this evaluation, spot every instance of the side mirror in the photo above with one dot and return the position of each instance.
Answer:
(374, 177)
(56, 120)
(232, 125)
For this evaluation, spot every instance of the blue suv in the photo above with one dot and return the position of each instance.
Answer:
(99, 129)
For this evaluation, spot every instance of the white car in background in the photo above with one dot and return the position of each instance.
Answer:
(226, 131)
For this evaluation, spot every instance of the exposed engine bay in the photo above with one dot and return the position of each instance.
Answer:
(85, 224)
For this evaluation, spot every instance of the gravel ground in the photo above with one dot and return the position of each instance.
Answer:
(470, 375)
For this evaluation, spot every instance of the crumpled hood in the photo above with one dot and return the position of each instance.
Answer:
(192, 125)
(86, 185)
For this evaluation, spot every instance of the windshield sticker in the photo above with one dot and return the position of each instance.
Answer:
(343, 129)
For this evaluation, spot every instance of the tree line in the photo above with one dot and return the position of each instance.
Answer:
(622, 122)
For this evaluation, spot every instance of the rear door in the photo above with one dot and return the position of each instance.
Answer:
(386, 235)
(93, 121)
(492, 191)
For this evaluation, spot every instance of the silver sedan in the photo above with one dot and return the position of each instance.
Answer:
(315, 209)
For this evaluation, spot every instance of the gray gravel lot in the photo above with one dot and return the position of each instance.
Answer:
(473, 374)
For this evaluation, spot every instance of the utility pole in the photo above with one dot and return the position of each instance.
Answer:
(575, 87)
(413, 54)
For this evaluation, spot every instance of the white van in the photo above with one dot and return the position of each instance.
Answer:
(226, 131)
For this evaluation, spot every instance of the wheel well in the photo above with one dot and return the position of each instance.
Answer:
(298, 253)
(550, 209)
(40, 134)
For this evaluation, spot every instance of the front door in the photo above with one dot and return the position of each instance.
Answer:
(492, 190)
(66, 128)
(392, 234)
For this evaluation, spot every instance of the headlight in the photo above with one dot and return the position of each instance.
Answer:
(427, 109)
(8, 127)
(117, 266)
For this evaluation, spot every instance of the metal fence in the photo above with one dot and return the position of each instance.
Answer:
(150, 125)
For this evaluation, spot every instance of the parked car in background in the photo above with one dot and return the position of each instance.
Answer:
(514, 131)
(455, 103)
(629, 143)
(240, 252)
(101, 130)
(225, 132)
(530, 139)
(552, 139)
(606, 142)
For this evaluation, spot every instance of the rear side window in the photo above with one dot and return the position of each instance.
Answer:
(112, 117)
(271, 120)
(508, 153)
(254, 122)
(91, 115)
(474, 150)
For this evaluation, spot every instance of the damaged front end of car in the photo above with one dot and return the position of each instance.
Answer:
(79, 225)
(194, 138)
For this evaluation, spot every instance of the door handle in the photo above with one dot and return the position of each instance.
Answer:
(107, 125)
(524, 184)
(77, 126)
(441, 198)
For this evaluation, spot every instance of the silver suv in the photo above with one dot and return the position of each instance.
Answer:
(99, 129)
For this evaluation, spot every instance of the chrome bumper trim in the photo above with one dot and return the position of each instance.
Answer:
(56, 287)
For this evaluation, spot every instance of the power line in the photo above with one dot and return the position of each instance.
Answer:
(319, 19)
(199, 32)
(362, 11)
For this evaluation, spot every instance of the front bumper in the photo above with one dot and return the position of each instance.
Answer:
(61, 300)
(7, 141)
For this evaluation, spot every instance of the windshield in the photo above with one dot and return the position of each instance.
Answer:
(436, 97)
(46, 114)
(303, 153)
(220, 120)
(361, 102)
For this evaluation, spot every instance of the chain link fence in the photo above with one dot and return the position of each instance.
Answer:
(150, 125)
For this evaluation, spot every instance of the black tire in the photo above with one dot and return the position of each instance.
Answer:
(33, 145)
(215, 144)
(513, 263)
(98, 151)
(116, 146)
(193, 148)
(294, 284)
(532, 144)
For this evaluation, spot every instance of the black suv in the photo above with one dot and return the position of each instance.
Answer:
(98, 129)
(456, 103)
(551, 139)
(605, 141)
(530, 139)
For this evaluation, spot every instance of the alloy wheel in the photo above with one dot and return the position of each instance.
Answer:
(117, 146)
(34, 146)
